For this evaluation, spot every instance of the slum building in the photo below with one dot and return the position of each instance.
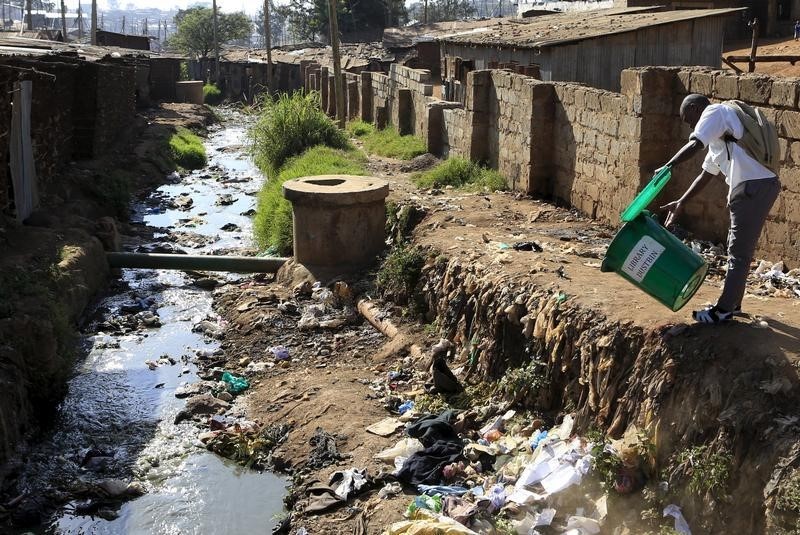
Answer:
(591, 48)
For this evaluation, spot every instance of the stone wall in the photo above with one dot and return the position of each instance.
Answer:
(590, 148)
(79, 110)
(595, 152)
(778, 98)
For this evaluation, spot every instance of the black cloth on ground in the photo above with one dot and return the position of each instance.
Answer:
(425, 467)
(432, 428)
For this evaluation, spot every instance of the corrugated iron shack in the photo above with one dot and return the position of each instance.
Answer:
(593, 47)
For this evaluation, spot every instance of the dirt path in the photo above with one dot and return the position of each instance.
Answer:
(769, 47)
(337, 378)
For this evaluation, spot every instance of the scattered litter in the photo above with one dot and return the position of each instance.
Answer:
(389, 490)
(348, 482)
(385, 427)
(527, 246)
(580, 525)
(431, 503)
(681, 526)
(279, 352)
(442, 490)
(405, 407)
(325, 452)
(234, 384)
(405, 448)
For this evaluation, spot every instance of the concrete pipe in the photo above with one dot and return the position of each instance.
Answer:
(237, 264)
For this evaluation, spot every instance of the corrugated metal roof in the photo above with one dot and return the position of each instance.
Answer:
(407, 36)
(552, 30)
(354, 55)
(14, 45)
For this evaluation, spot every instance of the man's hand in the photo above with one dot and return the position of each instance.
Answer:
(675, 208)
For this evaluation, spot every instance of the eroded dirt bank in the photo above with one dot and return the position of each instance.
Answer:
(542, 333)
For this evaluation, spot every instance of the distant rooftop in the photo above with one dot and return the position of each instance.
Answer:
(407, 36)
(354, 55)
(550, 30)
(11, 44)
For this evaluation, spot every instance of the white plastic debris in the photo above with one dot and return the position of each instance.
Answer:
(404, 448)
(681, 526)
(565, 476)
(581, 525)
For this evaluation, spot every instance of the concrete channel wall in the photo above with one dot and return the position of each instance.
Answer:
(589, 148)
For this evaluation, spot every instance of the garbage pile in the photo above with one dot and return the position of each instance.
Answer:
(489, 468)
(768, 279)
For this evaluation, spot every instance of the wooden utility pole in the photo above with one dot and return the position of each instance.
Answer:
(94, 22)
(123, 23)
(80, 21)
(425, 13)
(216, 43)
(751, 67)
(63, 21)
(29, 16)
(337, 63)
(268, 44)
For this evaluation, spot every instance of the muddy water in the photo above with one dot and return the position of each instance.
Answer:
(117, 421)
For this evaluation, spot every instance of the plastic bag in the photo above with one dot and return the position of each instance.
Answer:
(234, 384)
(404, 448)
(431, 503)
(279, 352)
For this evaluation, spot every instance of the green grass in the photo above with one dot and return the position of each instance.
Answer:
(360, 128)
(187, 149)
(272, 225)
(389, 143)
(212, 94)
(288, 126)
(463, 174)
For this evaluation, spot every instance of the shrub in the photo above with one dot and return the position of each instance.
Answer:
(389, 143)
(187, 149)
(400, 273)
(288, 126)
(461, 173)
(272, 226)
(212, 94)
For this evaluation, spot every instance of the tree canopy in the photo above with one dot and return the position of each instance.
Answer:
(195, 33)
(308, 19)
(277, 19)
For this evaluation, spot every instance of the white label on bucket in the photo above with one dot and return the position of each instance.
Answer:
(642, 257)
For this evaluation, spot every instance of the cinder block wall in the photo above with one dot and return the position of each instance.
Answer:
(707, 216)
(595, 149)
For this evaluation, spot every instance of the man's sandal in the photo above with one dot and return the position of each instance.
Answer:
(712, 314)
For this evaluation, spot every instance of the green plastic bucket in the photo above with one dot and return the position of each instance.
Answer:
(647, 195)
(650, 257)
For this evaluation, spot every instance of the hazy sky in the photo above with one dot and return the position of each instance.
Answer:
(250, 6)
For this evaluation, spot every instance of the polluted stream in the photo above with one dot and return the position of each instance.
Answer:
(116, 427)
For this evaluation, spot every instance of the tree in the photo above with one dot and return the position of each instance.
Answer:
(443, 10)
(278, 16)
(195, 34)
(308, 19)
